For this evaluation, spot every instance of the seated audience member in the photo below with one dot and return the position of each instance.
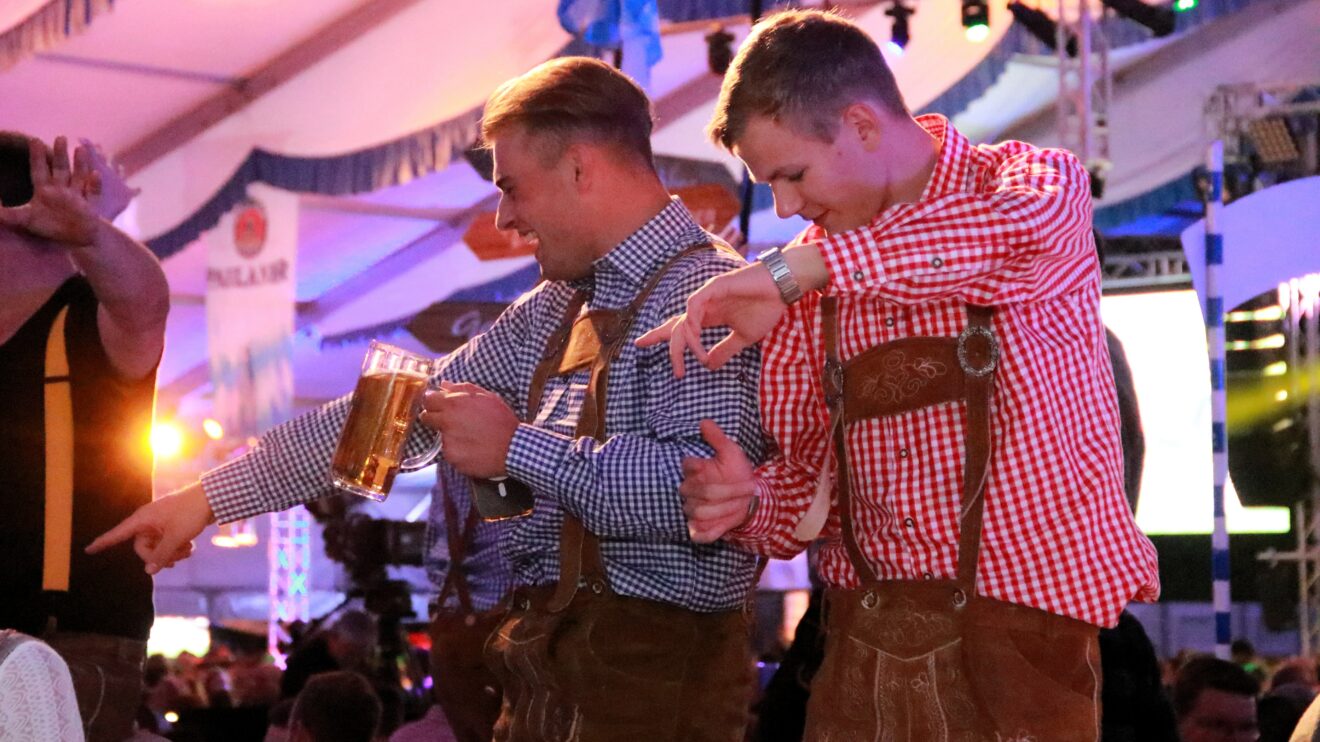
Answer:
(349, 644)
(1135, 706)
(335, 707)
(1215, 700)
(432, 727)
(1296, 671)
(278, 719)
(1281, 709)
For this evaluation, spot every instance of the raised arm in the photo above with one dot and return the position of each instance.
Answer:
(130, 287)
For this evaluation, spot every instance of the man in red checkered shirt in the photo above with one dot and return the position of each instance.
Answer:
(936, 382)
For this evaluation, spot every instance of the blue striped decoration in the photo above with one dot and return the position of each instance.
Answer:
(1223, 627)
(1220, 560)
(1214, 335)
(1218, 374)
(1214, 248)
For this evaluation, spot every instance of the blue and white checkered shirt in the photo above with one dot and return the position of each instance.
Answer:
(625, 489)
(486, 572)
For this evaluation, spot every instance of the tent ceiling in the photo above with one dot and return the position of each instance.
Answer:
(142, 65)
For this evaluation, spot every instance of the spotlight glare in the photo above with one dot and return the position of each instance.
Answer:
(894, 49)
(1182, 6)
(977, 34)
(166, 440)
(213, 429)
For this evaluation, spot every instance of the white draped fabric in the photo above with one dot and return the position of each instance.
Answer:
(36, 694)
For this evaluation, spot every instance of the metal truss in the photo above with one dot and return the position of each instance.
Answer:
(289, 555)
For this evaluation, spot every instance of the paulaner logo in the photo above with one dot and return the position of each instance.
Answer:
(250, 230)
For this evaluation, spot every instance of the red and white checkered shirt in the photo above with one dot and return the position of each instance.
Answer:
(1009, 226)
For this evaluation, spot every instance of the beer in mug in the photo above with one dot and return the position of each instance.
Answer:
(384, 410)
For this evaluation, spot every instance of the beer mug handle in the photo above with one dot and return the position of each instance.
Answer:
(424, 459)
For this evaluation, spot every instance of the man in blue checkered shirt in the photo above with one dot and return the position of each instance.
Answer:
(652, 646)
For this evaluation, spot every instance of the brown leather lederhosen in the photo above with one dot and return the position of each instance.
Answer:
(464, 687)
(931, 660)
(581, 662)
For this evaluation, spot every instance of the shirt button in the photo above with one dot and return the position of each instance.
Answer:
(858, 275)
(889, 321)
(902, 453)
(928, 575)
(937, 262)
(909, 522)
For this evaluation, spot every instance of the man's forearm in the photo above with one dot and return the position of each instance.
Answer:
(126, 278)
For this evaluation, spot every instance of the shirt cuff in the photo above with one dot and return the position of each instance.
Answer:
(758, 527)
(229, 490)
(853, 260)
(535, 455)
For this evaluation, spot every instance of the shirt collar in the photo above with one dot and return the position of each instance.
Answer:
(950, 174)
(631, 262)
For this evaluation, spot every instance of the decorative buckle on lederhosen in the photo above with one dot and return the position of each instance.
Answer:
(964, 360)
(832, 381)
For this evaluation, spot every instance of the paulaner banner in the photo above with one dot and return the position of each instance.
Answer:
(250, 294)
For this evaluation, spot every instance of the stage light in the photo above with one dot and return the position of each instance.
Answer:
(213, 429)
(166, 440)
(976, 20)
(1182, 6)
(1158, 18)
(1041, 26)
(1273, 141)
(899, 32)
(719, 49)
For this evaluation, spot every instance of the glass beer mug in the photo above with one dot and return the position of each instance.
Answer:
(384, 410)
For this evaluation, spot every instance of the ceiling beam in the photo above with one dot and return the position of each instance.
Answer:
(325, 41)
(686, 98)
(362, 207)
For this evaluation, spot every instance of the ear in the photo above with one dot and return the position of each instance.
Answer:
(866, 123)
(579, 163)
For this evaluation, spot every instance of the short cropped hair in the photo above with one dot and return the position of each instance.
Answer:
(802, 68)
(570, 100)
(15, 169)
(337, 707)
(1206, 672)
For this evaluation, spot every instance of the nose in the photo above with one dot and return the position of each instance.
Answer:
(787, 200)
(504, 218)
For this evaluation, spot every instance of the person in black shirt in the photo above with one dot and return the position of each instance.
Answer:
(82, 321)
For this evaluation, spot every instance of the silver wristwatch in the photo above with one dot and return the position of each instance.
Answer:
(789, 290)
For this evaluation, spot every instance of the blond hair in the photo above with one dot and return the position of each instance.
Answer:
(573, 99)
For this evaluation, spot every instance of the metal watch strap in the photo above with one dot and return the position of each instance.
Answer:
(789, 290)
